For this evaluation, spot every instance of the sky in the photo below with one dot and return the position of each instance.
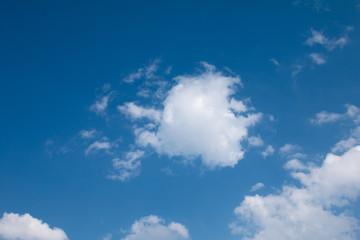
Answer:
(177, 120)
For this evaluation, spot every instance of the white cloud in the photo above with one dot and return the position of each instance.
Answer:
(98, 145)
(146, 72)
(294, 164)
(352, 113)
(325, 117)
(348, 143)
(317, 58)
(329, 44)
(25, 227)
(308, 212)
(153, 228)
(289, 148)
(87, 134)
(199, 118)
(137, 112)
(151, 69)
(128, 168)
(255, 141)
(257, 187)
(268, 151)
(291, 151)
(134, 76)
(100, 105)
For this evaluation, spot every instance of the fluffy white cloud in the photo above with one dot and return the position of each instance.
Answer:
(199, 118)
(128, 168)
(268, 151)
(98, 145)
(153, 228)
(25, 227)
(308, 212)
(329, 44)
(317, 58)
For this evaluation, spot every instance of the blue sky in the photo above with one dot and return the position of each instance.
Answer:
(180, 120)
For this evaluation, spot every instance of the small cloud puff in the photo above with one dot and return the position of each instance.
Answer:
(153, 228)
(268, 151)
(317, 58)
(257, 187)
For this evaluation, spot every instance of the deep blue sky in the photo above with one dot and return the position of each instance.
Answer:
(55, 56)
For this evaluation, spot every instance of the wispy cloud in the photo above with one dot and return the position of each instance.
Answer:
(274, 61)
(317, 58)
(297, 70)
(87, 134)
(147, 72)
(137, 112)
(268, 151)
(128, 167)
(330, 44)
(255, 141)
(257, 187)
(101, 104)
(98, 145)
(291, 151)
(352, 113)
